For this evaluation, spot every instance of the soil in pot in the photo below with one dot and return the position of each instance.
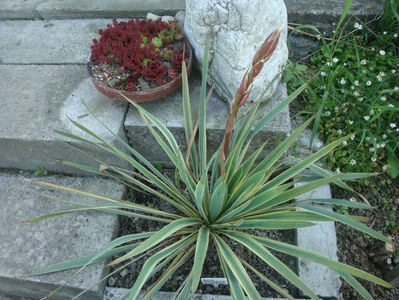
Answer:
(127, 277)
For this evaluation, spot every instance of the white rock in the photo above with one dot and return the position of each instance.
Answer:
(236, 29)
(166, 19)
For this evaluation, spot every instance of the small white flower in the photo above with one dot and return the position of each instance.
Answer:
(372, 49)
(368, 82)
(382, 52)
(384, 136)
(397, 130)
(335, 60)
(338, 170)
(329, 64)
(352, 199)
(393, 71)
(392, 125)
(373, 159)
(343, 81)
(381, 74)
(390, 105)
(318, 36)
(383, 98)
(323, 87)
(358, 26)
(385, 167)
(328, 113)
(336, 108)
(345, 64)
(356, 82)
(395, 35)
(382, 145)
(363, 62)
(350, 122)
(371, 149)
(379, 78)
(366, 118)
(352, 162)
(352, 87)
(345, 143)
(339, 131)
(360, 99)
(372, 112)
(353, 137)
(396, 88)
(356, 93)
(323, 73)
(385, 32)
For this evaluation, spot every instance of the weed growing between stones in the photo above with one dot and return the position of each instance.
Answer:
(224, 194)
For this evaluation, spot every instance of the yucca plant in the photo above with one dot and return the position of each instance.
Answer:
(219, 197)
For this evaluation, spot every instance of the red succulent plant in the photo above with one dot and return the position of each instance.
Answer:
(131, 46)
(154, 70)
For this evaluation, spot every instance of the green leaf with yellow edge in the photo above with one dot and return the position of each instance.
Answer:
(237, 269)
(155, 259)
(277, 288)
(254, 246)
(158, 237)
(347, 221)
(235, 288)
(356, 285)
(320, 259)
(218, 198)
(200, 254)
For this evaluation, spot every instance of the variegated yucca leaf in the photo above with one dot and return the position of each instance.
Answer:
(217, 197)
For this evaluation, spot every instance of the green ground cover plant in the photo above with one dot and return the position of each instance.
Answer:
(356, 91)
(218, 197)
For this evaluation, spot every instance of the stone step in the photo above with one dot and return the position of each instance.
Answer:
(39, 98)
(75, 9)
(43, 80)
(170, 111)
(299, 11)
(27, 247)
(48, 42)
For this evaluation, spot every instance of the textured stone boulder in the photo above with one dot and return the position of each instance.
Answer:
(236, 29)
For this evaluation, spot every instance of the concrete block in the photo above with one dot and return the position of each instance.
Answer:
(19, 9)
(38, 98)
(322, 239)
(118, 293)
(28, 247)
(170, 111)
(48, 42)
(71, 9)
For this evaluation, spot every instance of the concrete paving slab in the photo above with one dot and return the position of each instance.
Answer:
(169, 110)
(19, 9)
(30, 246)
(322, 239)
(48, 42)
(38, 98)
(70, 9)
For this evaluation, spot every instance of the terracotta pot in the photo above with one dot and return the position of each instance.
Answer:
(145, 95)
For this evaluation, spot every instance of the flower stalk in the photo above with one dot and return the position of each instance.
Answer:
(264, 53)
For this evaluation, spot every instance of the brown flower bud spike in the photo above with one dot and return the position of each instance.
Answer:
(261, 56)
